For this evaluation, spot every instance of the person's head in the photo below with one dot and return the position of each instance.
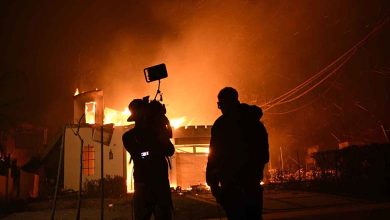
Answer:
(137, 109)
(228, 100)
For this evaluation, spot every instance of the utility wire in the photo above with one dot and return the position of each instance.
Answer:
(302, 106)
(283, 98)
(290, 95)
(318, 83)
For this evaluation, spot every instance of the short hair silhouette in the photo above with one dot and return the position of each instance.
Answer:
(228, 94)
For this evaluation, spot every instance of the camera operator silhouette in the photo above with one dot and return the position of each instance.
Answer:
(238, 154)
(149, 146)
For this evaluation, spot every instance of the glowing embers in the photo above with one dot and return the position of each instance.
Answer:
(90, 112)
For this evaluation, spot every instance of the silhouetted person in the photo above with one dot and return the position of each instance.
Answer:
(149, 144)
(238, 154)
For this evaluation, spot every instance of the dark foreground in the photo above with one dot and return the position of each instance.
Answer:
(278, 205)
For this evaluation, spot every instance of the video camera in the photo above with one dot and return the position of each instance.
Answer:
(154, 111)
(154, 117)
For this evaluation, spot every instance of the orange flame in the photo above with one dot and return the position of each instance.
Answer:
(90, 111)
(177, 122)
(112, 116)
(116, 117)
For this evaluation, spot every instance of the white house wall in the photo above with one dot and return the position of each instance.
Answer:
(112, 167)
(187, 168)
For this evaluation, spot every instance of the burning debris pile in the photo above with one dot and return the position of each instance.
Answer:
(290, 175)
(356, 164)
(358, 170)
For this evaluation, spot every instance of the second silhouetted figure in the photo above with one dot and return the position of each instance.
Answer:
(238, 154)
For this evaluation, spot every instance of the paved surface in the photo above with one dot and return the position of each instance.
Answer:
(307, 205)
(277, 205)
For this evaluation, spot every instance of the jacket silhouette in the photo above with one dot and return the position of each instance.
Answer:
(238, 148)
(238, 154)
(149, 146)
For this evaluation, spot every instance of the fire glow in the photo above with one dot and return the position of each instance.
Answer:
(119, 118)
(177, 122)
(90, 110)
(116, 117)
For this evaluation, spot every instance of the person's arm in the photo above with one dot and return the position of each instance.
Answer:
(168, 148)
(165, 136)
(126, 141)
(212, 169)
(161, 144)
(264, 146)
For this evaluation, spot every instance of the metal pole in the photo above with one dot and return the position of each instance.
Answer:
(81, 165)
(101, 176)
(281, 161)
(53, 211)
(281, 157)
(299, 167)
(80, 178)
(6, 184)
(384, 132)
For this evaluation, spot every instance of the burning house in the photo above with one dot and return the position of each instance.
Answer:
(188, 164)
(190, 159)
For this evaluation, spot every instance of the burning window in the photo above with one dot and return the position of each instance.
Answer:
(90, 110)
(88, 104)
(89, 160)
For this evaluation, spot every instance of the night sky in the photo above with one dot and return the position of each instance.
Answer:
(262, 48)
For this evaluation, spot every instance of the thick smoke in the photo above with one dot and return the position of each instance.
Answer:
(262, 48)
